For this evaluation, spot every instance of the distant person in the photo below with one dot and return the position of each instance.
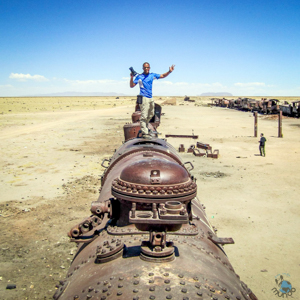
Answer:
(145, 81)
(262, 143)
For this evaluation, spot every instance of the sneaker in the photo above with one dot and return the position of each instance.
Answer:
(147, 136)
(154, 132)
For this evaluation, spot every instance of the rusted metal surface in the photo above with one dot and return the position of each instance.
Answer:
(203, 146)
(181, 136)
(188, 99)
(212, 154)
(148, 236)
(181, 148)
(191, 149)
(291, 110)
(199, 152)
(215, 153)
(131, 130)
(263, 106)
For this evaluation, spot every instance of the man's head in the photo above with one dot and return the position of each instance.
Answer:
(261, 134)
(146, 68)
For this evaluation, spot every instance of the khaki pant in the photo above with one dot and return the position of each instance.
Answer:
(147, 112)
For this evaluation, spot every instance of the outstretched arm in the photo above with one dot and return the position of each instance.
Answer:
(132, 84)
(171, 69)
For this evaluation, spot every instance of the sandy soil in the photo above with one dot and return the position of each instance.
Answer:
(51, 154)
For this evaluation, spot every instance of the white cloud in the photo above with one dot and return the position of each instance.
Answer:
(5, 86)
(91, 82)
(25, 77)
(162, 83)
(250, 84)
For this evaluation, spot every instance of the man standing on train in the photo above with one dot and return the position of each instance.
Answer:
(145, 81)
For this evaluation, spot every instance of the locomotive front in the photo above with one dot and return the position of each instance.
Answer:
(148, 236)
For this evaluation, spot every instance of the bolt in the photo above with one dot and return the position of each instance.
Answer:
(120, 285)
(152, 297)
(151, 274)
(121, 278)
(76, 297)
(136, 282)
(184, 290)
(169, 297)
(180, 275)
(119, 293)
(152, 288)
(90, 289)
(135, 290)
(182, 282)
(104, 290)
(199, 294)
(167, 281)
(151, 281)
(89, 296)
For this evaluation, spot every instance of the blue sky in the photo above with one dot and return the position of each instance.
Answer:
(242, 47)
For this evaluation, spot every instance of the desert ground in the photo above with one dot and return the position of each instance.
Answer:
(51, 155)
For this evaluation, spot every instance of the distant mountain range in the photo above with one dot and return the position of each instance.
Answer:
(78, 94)
(216, 94)
(101, 94)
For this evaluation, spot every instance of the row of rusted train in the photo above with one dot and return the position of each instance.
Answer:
(264, 106)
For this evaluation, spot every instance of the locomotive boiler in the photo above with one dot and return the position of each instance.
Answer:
(148, 236)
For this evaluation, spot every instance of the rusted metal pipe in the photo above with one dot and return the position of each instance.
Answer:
(181, 136)
(280, 124)
(255, 124)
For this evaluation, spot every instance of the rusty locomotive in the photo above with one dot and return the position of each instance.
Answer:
(148, 236)
(263, 106)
